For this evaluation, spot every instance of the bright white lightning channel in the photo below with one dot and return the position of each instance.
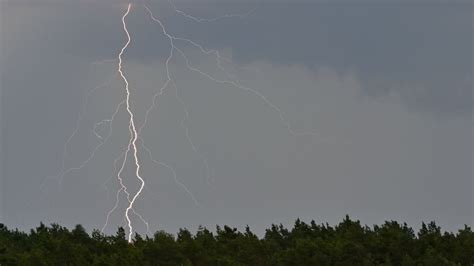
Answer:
(133, 131)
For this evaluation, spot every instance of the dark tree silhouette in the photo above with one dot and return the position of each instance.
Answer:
(348, 243)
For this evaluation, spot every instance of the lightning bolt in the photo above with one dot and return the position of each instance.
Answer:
(133, 131)
(135, 140)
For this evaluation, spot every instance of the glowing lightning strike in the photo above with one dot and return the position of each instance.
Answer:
(133, 130)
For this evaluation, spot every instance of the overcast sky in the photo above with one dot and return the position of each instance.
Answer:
(385, 87)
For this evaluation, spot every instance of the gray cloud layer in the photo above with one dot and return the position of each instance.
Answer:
(389, 85)
(391, 45)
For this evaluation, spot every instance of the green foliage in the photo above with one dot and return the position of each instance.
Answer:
(348, 243)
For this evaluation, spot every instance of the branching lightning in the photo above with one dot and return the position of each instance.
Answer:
(209, 20)
(136, 143)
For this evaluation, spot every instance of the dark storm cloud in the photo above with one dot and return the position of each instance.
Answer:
(394, 46)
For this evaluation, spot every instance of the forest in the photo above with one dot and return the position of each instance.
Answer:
(347, 243)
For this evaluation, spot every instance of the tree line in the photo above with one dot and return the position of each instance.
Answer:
(348, 243)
